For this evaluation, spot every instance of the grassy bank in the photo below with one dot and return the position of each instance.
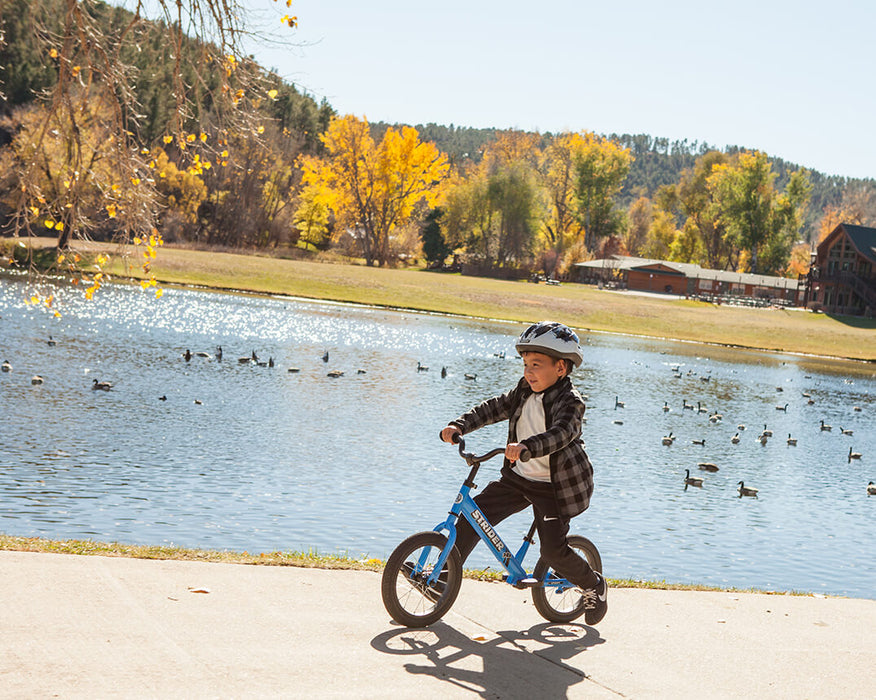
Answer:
(299, 559)
(581, 306)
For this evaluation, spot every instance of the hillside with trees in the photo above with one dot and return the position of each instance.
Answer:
(657, 162)
(118, 128)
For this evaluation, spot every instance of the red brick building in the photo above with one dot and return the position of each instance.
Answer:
(842, 277)
(687, 279)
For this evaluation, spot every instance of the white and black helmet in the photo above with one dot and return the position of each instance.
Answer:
(552, 339)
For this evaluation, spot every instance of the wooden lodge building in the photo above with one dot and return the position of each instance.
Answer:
(842, 276)
(687, 279)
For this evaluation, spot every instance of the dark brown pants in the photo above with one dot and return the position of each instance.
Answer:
(511, 494)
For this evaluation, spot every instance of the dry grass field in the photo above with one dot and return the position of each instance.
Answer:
(581, 306)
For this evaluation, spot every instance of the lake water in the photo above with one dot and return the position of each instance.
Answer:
(256, 458)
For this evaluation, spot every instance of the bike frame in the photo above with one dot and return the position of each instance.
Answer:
(465, 506)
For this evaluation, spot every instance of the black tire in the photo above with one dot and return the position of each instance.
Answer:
(563, 606)
(405, 595)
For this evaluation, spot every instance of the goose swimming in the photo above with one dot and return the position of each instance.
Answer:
(746, 490)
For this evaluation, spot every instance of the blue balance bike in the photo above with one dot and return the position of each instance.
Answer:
(423, 574)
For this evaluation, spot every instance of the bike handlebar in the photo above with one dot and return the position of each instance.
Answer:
(471, 458)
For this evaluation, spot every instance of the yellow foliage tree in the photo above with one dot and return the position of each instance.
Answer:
(372, 188)
(312, 217)
(687, 246)
(82, 143)
(562, 226)
(183, 190)
(857, 207)
(833, 216)
(800, 260)
(601, 166)
(513, 146)
(661, 236)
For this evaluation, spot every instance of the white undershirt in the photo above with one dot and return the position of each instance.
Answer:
(531, 422)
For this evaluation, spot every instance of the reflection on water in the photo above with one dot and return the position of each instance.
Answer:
(249, 457)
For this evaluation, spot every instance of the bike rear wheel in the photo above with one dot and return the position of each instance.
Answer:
(563, 604)
(406, 595)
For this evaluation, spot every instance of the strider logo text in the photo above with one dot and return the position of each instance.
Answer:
(488, 530)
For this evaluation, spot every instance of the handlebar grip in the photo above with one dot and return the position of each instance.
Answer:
(454, 439)
(525, 455)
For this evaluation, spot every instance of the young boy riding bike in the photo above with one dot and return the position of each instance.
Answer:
(544, 413)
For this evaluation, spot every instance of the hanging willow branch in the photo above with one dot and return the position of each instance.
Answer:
(83, 159)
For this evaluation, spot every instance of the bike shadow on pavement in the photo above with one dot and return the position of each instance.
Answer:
(500, 666)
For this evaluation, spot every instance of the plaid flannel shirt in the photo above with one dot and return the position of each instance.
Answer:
(571, 471)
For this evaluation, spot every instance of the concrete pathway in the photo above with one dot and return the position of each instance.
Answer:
(101, 627)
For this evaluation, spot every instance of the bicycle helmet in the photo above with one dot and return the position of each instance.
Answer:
(552, 339)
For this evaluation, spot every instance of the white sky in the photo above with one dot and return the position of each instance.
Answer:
(793, 79)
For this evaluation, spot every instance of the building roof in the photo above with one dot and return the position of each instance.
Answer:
(863, 238)
(625, 262)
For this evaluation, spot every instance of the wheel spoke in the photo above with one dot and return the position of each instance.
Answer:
(404, 588)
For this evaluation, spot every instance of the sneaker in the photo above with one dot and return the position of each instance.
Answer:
(595, 601)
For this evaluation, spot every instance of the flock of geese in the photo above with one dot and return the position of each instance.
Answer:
(763, 437)
(469, 376)
(254, 359)
(689, 481)
(251, 359)
(37, 379)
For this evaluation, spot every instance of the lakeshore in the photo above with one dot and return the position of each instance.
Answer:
(584, 307)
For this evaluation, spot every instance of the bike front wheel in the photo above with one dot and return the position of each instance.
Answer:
(563, 602)
(407, 595)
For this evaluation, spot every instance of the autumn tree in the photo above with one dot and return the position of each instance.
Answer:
(253, 188)
(88, 133)
(758, 218)
(561, 226)
(661, 236)
(183, 192)
(495, 211)
(313, 219)
(687, 246)
(513, 146)
(696, 202)
(857, 207)
(799, 260)
(371, 189)
(639, 217)
(510, 166)
(467, 220)
(600, 169)
(513, 198)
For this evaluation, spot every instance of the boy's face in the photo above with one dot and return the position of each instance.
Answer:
(542, 371)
